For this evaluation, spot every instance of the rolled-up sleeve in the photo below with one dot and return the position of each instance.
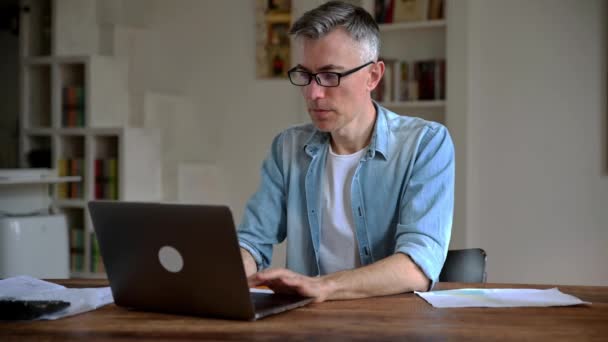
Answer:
(263, 223)
(427, 204)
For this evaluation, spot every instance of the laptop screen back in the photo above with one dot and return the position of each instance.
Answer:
(172, 258)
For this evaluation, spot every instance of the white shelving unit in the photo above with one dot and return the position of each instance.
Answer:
(53, 58)
(427, 24)
(103, 78)
(413, 41)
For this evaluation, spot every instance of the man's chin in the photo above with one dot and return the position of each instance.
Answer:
(323, 126)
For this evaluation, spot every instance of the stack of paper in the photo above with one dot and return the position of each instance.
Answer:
(461, 298)
(81, 300)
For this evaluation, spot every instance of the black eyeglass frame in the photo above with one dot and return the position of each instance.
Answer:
(314, 75)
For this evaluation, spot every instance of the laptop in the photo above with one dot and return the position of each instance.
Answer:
(177, 258)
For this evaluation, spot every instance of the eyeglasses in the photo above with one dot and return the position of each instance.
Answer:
(302, 78)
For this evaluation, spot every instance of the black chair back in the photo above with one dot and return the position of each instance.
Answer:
(464, 266)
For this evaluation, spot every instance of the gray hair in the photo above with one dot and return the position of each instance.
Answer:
(320, 21)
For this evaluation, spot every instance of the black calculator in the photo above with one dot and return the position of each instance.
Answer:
(14, 309)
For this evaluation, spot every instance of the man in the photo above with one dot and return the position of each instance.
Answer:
(363, 196)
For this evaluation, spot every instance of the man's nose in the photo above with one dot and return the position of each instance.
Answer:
(314, 91)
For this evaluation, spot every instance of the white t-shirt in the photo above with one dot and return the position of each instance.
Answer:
(338, 249)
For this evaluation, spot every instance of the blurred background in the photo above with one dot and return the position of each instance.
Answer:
(178, 101)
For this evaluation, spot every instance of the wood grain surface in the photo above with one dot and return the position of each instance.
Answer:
(398, 317)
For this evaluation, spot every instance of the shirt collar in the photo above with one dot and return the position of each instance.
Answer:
(378, 143)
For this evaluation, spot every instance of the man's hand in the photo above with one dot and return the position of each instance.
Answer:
(248, 263)
(282, 280)
(391, 275)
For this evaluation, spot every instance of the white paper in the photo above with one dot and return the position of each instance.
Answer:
(496, 298)
(254, 289)
(22, 286)
(81, 300)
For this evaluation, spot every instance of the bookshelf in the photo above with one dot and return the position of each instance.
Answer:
(416, 25)
(413, 39)
(74, 111)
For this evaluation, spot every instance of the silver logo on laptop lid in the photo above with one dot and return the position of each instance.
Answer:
(170, 259)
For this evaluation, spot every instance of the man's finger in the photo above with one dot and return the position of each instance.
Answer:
(273, 273)
(266, 276)
(254, 280)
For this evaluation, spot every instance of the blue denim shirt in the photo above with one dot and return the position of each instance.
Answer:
(402, 196)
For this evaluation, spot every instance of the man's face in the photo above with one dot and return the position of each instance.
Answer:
(336, 109)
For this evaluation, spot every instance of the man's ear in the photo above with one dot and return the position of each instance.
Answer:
(376, 72)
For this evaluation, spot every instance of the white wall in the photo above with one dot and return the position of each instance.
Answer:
(456, 118)
(204, 52)
(535, 139)
(527, 110)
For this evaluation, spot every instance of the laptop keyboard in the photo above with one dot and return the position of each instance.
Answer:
(264, 301)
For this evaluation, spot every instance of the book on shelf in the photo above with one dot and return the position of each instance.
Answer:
(106, 178)
(96, 261)
(436, 8)
(410, 10)
(70, 167)
(62, 171)
(389, 80)
(112, 178)
(403, 81)
(73, 106)
(76, 169)
(430, 76)
(412, 81)
(99, 180)
(396, 11)
(385, 90)
(383, 11)
(76, 249)
(425, 76)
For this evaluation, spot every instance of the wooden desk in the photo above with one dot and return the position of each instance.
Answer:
(400, 317)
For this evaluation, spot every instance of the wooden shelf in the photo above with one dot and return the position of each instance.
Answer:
(70, 203)
(74, 131)
(38, 131)
(42, 60)
(278, 18)
(415, 25)
(44, 180)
